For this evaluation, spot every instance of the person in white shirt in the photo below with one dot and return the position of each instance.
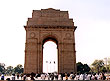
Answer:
(43, 76)
(13, 77)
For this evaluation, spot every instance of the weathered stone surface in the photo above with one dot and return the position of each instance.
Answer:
(50, 24)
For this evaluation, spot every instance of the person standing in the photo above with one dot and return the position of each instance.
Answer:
(32, 76)
(66, 76)
(48, 76)
(43, 76)
(59, 77)
(2, 77)
(13, 76)
(24, 77)
(21, 76)
(56, 76)
(72, 76)
(18, 76)
(52, 76)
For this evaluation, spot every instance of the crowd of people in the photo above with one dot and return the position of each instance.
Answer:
(56, 76)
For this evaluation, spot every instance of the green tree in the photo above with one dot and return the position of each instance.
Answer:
(2, 68)
(103, 69)
(82, 68)
(86, 68)
(98, 64)
(18, 69)
(9, 70)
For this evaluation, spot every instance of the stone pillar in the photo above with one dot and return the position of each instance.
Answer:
(69, 59)
(31, 56)
(60, 58)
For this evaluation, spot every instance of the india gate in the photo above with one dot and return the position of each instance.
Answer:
(55, 25)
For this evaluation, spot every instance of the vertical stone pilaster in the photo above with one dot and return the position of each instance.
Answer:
(40, 58)
(31, 56)
(61, 58)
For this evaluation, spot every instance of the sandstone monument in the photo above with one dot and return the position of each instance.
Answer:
(55, 25)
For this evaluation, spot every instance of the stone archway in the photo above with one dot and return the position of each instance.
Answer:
(52, 60)
(50, 24)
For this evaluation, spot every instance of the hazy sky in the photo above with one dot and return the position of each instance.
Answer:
(92, 36)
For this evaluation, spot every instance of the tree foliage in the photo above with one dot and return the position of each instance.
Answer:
(103, 69)
(86, 68)
(98, 66)
(18, 69)
(82, 68)
(9, 70)
(2, 67)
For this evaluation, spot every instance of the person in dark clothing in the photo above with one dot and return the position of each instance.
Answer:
(62, 76)
(103, 76)
(17, 75)
(52, 76)
(32, 76)
(21, 76)
(24, 77)
(8, 79)
(13, 76)
(56, 76)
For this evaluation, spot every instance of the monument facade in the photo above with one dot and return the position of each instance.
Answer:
(55, 25)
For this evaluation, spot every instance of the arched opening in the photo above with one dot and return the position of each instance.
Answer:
(50, 55)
